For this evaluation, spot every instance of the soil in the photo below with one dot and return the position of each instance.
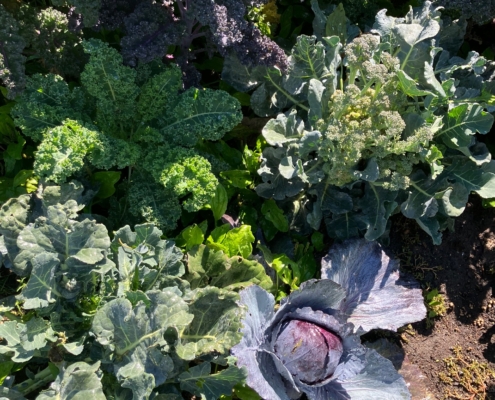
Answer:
(455, 352)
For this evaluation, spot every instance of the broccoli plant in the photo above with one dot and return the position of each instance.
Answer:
(122, 308)
(377, 125)
(311, 343)
(128, 118)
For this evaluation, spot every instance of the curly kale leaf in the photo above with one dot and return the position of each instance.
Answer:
(112, 84)
(63, 150)
(45, 104)
(183, 172)
(11, 58)
(201, 114)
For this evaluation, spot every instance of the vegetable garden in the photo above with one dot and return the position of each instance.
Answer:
(247, 199)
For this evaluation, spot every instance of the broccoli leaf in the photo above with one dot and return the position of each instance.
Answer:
(78, 381)
(197, 380)
(133, 334)
(216, 323)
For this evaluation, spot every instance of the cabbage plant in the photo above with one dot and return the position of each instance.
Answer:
(312, 345)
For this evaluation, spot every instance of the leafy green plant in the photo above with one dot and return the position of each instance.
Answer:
(377, 125)
(119, 317)
(126, 118)
(435, 304)
(36, 39)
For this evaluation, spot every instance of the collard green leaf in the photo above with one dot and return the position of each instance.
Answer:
(134, 336)
(199, 381)
(216, 323)
(78, 381)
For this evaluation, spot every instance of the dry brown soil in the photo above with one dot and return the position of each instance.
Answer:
(462, 268)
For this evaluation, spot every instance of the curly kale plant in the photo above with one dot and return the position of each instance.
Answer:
(377, 126)
(122, 307)
(122, 117)
(311, 343)
(154, 28)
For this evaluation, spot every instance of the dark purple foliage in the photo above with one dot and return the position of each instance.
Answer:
(152, 27)
(310, 353)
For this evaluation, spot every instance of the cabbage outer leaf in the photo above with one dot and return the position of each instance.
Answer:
(376, 296)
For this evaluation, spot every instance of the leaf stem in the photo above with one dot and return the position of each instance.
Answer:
(41, 379)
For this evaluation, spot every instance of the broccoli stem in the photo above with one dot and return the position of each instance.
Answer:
(41, 379)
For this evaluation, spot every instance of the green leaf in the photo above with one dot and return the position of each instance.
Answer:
(317, 240)
(275, 215)
(462, 122)
(190, 237)
(237, 241)
(133, 336)
(216, 324)
(79, 381)
(377, 205)
(5, 369)
(24, 339)
(201, 114)
(409, 85)
(107, 181)
(219, 202)
(237, 178)
(207, 266)
(336, 24)
(199, 381)
(41, 288)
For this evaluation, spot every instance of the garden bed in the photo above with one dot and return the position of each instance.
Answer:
(462, 268)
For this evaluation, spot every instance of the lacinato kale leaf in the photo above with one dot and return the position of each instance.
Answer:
(379, 124)
(128, 118)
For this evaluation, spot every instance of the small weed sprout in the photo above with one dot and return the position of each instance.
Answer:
(470, 375)
(435, 304)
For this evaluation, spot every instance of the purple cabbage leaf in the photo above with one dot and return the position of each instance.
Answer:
(311, 345)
